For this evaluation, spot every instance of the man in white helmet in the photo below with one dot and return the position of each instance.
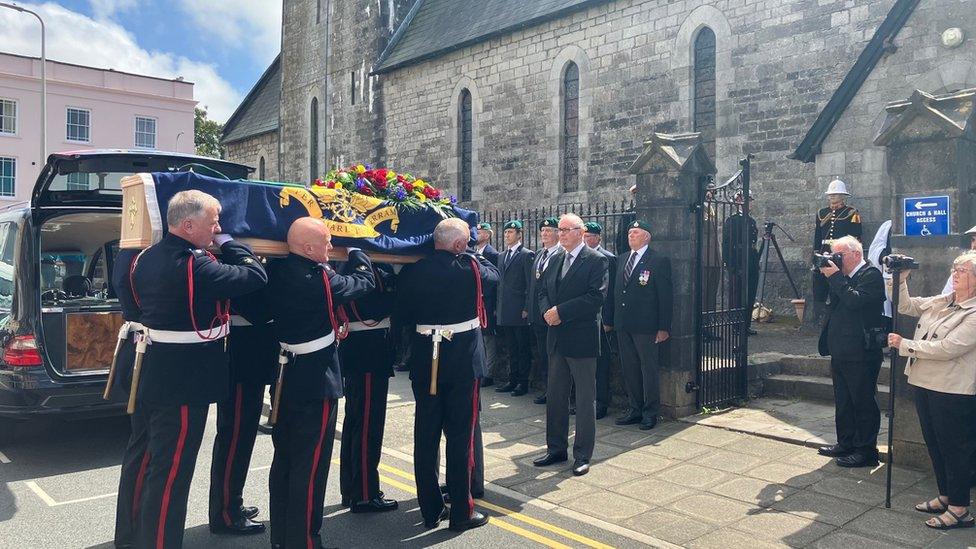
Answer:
(833, 222)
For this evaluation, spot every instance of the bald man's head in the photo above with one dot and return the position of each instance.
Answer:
(309, 237)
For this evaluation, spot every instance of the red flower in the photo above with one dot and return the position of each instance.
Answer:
(331, 184)
(430, 192)
(408, 187)
(400, 178)
(381, 173)
(367, 191)
(380, 183)
(318, 183)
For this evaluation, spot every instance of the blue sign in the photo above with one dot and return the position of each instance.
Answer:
(926, 215)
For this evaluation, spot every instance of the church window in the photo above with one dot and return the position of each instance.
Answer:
(313, 140)
(570, 131)
(465, 143)
(704, 105)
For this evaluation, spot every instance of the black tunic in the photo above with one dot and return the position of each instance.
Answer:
(370, 351)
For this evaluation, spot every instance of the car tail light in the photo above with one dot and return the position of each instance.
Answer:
(22, 351)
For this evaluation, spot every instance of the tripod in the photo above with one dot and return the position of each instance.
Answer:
(769, 239)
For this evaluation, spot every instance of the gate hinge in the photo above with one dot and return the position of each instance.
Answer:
(691, 386)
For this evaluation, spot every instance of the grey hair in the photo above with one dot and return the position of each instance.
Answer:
(449, 231)
(577, 220)
(850, 243)
(967, 257)
(191, 204)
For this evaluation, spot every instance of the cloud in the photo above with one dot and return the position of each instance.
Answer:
(104, 9)
(254, 25)
(75, 38)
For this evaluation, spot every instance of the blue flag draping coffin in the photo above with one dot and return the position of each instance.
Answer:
(266, 211)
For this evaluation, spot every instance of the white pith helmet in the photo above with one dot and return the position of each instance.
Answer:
(837, 187)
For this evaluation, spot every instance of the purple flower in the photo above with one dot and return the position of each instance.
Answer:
(368, 166)
(453, 200)
(360, 183)
(401, 193)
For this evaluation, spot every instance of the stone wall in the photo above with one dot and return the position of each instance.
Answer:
(250, 151)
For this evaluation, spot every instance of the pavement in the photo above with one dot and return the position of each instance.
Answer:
(680, 484)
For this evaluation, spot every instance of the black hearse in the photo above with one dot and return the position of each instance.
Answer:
(56, 302)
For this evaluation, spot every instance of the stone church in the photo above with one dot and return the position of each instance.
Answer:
(509, 103)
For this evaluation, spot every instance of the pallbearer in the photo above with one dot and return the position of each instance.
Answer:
(183, 294)
(303, 292)
(367, 358)
(253, 352)
(441, 296)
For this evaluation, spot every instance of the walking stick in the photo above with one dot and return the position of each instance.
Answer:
(141, 345)
(276, 403)
(892, 358)
(111, 369)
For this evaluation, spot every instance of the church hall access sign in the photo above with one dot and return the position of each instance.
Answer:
(926, 215)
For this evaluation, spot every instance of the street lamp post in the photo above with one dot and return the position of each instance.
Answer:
(15, 7)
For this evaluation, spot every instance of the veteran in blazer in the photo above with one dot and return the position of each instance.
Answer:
(594, 237)
(515, 269)
(571, 296)
(494, 347)
(549, 254)
(642, 320)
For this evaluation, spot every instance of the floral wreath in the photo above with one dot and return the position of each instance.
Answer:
(402, 189)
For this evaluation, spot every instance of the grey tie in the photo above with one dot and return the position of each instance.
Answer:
(567, 263)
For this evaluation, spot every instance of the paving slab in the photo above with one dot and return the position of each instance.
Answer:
(783, 527)
(653, 491)
(784, 473)
(693, 476)
(712, 508)
(821, 507)
(628, 438)
(727, 538)
(643, 463)
(669, 525)
(852, 489)
(753, 491)
(607, 476)
(728, 461)
(839, 539)
(675, 448)
(608, 506)
(556, 488)
(896, 527)
(709, 436)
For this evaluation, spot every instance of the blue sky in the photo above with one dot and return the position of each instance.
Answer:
(222, 46)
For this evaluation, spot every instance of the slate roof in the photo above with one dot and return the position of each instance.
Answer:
(258, 113)
(876, 48)
(435, 27)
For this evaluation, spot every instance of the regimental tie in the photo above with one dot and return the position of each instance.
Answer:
(629, 268)
(542, 262)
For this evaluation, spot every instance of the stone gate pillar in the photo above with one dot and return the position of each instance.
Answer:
(931, 150)
(670, 171)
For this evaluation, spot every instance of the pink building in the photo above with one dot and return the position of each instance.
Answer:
(87, 108)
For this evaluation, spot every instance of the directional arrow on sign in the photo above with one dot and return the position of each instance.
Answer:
(919, 205)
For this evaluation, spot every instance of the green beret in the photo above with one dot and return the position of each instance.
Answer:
(484, 225)
(549, 222)
(514, 224)
(640, 224)
(593, 227)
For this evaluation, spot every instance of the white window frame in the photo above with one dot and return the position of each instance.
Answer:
(136, 133)
(70, 185)
(16, 109)
(67, 136)
(13, 191)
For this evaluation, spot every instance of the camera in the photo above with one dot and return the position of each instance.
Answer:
(875, 338)
(820, 260)
(898, 262)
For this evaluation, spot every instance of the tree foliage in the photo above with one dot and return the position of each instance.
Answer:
(207, 134)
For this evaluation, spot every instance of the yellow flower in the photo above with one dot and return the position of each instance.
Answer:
(338, 185)
(420, 196)
(419, 184)
(360, 169)
(391, 175)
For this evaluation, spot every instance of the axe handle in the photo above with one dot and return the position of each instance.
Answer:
(276, 404)
(433, 375)
(134, 388)
(111, 370)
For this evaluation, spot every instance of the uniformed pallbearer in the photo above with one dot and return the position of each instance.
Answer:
(366, 356)
(136, 459)
(302, 294)
(833, 222)
(182, 293)
(253, 353)
(441, 296)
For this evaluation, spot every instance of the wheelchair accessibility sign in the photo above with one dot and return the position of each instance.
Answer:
(926, 215)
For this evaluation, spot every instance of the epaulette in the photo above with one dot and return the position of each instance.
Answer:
(198, 252)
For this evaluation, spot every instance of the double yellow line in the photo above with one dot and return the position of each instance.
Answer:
(507, 513)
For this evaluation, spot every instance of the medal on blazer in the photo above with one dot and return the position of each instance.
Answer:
(644, 277)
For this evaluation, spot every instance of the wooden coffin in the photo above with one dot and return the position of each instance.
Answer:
(137, 229)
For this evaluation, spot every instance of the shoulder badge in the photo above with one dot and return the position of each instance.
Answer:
(248, 261)
(362, 268)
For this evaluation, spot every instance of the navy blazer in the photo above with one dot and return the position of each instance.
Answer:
(578, 298)
(513, 286)
(643, 305)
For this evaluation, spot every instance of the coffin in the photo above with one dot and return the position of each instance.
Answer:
(259, 214)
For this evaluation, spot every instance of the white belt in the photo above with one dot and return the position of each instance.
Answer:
(368, 325)
(170, 336)
(128, 327)
(447, 331)
(308, 346)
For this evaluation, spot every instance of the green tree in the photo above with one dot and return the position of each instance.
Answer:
(207, 134)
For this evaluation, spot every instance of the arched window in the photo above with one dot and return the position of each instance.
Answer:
(570, 134)
(704, 116)
(261, 169)
(318, 11)
(313, 140)
(465, 143)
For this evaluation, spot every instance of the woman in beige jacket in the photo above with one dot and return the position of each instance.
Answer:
(942, 367)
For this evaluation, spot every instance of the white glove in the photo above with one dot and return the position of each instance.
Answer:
(349, 251)
(222, 239)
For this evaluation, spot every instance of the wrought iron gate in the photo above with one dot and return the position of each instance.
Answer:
(726, 278)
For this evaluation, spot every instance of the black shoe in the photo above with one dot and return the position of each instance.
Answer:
(345, 502)
(834, 450)
(507, 388)
(601, 412)
(375, 505)
(858, 459)
(265, 428)
(629, 419)
(241, 527)
(648, 424)
(445, 514)
(541, 399)
(487, 382)
(475, 520)
(249, 512)
(520, 389)
(550, 459)
(581, 467)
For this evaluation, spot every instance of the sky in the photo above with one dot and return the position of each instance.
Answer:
(222, 46)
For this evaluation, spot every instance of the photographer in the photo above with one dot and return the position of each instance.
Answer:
(853, 337)
(942, 367)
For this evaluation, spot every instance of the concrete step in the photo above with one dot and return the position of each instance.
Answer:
(815, 388)
(819, 366)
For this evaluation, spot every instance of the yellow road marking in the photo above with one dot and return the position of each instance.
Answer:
(529, 535)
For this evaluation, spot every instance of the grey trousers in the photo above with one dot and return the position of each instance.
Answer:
(493, 355)
(639, 362)
(563, 371)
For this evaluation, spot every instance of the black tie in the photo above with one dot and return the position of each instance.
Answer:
(508, 257)
(629, 268)
(542, 262)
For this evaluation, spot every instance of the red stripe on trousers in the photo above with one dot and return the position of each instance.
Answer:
(474, 419)
(230, 454)
(311, 477)
(364, 443)
(137, 492)
(173, 470)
